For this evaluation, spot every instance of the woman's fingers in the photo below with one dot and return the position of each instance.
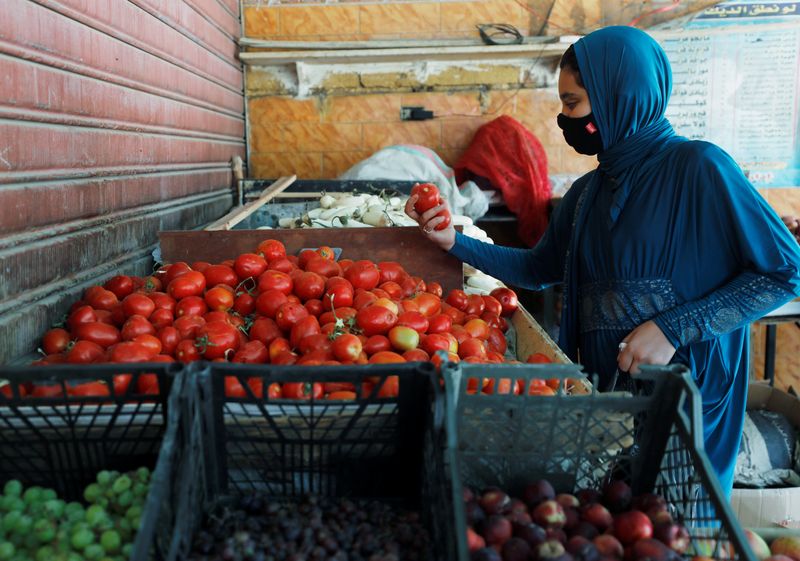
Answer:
(410, 208)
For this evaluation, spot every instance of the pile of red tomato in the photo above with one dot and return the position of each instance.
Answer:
(270, 307)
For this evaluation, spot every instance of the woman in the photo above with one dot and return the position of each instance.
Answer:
(666, 251)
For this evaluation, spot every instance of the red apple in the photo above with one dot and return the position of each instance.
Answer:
(531, 533)
(598, 516)
(519, 517)
(617, 496)
(674, 536)
(516, 549)
(516, 505)
(567, 500)
(653, 550)
(537, 492)
(788, 546)
(496, 530)
(549, 514)
(632, 526)
(573, 518)
(474, 541)
(588, 496)
(494, 501)
(608, 546)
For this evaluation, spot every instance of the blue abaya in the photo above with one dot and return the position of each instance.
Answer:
(665, 229)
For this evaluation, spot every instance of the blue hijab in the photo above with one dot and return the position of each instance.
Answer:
(628, 78)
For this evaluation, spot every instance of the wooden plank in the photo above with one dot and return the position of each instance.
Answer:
(408, 246)
(240, 213)
(387, 44)
(360, 56)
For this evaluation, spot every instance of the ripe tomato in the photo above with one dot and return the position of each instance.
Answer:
(363, 299)
(121, 383)
(151, 343)
(309, 286)
(491, 305)
(346, 347)
(83, 314)
(252, 352)
(412, 285)
(188, 326)
(472, 348)
(497, 341)
(244, 304)
(314, 307)
(278, 346)
(138, 304)
(390, 386)
(316, 342)
(151, 284)
(161, 318)
(97, 332)
(477, 328)
(435, 288)
(505, 386)
(324, 267)
(326, 252)
(289, 314)
(386, 357)
(475, 305)
(403, 338)
(375, 320)
(343, 314)
(162, 301)
(538, 358)
(221, 274)
(434, 342)
(234, 388)
(130, 351)
(303, 327)
(169, 338)
(428, 304)
(175, 270)
(275, 280)
(55, 340)
(392, 290)
(136, 325)
(363, 274)
(391, 271)
(186, 351)
(191, 283)
(249, 265)
(507, 298)
(302, 390)
(282, 264)
(191, 306)
(147, 384)
(447, 219)
(84, 352)
(274, 391)
(376, 344)
(428, 196)
(88, 389)
(99, 298)
(121, 285)
(265, 330)
(416, 355)
(341, 395)
(271, 249)
(457, 298)
(219, 299)
(440, 323)
(217, 338)
(414, 320)
(268, 302)
(338, 293)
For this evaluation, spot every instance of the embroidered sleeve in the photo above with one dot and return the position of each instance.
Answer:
(746, 298)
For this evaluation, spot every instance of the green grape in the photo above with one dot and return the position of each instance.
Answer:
(73, 507)
(73, 556)
(24, 525)
(111, 541)
(133, 512)
(7, 550)
(36, 509)
(127, 550)
(122, 484)
(81, 538)
(94, 552)
(31, 542)
(54, 508)
(125, 500)
(10, 520)
(17, 504)
(104, 478)
(103, 501)
(143, 474)
(92, 492)
(94, 514)
(125, 529)
(16, 539)
(45, 553)
(140, 489)
(32, 494)
(49, 495)
(12, 488)
(44, 530)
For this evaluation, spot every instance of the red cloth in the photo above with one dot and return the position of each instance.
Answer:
(513, 160)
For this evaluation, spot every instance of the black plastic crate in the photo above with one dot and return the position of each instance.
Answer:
(63, 440)
(226, 447)
(652, 439)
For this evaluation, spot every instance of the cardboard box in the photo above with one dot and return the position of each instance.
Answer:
(765, 508)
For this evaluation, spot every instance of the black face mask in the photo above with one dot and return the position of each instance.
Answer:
(581, 133)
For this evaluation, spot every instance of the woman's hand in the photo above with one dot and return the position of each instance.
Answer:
(444, 238)
(646, 344)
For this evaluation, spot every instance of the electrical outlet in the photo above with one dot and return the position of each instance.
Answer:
(415, 114)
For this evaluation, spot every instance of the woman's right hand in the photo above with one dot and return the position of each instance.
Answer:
(444, 238)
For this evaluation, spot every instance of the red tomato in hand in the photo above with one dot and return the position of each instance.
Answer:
(428, 196)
